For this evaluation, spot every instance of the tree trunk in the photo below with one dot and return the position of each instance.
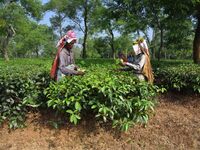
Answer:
(161, 44)
(84, 55)
(60, 25)
(37, 53)
(6, 40)
(138, 33)
(196, 43)
(5, 54)
(153, 44)
(112, 44)
(5, 48)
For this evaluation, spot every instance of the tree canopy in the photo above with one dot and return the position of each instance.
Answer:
(170, 27)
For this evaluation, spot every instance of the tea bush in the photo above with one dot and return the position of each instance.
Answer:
(20, 87)
(111, 96)
(182, 77)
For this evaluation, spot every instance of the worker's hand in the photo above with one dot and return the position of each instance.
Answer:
(123, 63)
(80, 73)
(80, 69)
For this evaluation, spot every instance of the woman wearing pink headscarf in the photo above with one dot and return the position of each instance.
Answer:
(68, 38)
(65, 57)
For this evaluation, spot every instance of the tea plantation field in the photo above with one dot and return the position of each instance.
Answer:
(105, 101)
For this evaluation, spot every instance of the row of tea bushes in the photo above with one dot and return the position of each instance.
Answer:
(181, 77)
(111, 96)
(21, 87)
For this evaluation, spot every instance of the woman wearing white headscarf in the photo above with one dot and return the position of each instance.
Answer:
(141, 65)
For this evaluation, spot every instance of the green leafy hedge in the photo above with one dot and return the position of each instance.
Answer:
(111, 96)
(21, 87)
(182, 77)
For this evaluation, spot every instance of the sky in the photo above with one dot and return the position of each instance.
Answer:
(46, 16)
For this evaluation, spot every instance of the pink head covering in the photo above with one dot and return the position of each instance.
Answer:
(68, 38)
(71, 36)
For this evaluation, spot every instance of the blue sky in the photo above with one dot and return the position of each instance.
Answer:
(47, 15)
(44, 1)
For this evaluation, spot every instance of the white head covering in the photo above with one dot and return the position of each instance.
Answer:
(137, 49)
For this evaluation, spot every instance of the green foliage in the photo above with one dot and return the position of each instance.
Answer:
(123, 43)
(39, 40)
(101, 46)
(32, 7)
(22, 16)
(111, 96)
(177, 39)
(20, 89)
(178, 76)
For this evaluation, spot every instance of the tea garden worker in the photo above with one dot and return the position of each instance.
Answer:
(65, 57)
(141, 65)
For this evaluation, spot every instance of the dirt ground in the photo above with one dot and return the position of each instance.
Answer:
(175, 126)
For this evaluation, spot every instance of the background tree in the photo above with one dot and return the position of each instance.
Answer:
(37, 40)
(196, 43)
(161, 16)
(76, 14)
(63, 10)
(107, 22)
(183, 10)
(12, 14)
(84, 10)
(101, 45)
(113, 23)
(124, 43)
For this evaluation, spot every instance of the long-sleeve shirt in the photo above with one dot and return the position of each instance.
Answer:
(66, 58)
(138, 64)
